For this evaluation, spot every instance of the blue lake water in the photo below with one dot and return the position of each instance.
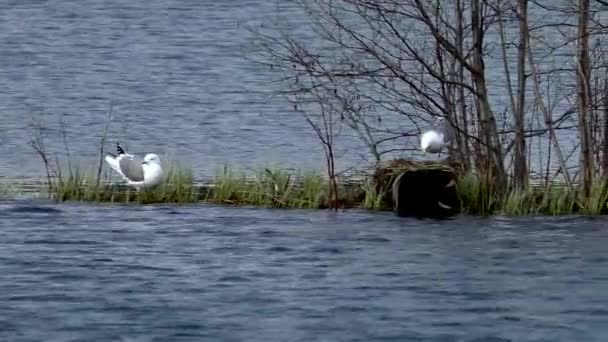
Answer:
(75, 272)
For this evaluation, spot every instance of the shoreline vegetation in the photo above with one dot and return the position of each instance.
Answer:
(272, 187)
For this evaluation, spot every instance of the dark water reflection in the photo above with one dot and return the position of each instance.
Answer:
(163, 273)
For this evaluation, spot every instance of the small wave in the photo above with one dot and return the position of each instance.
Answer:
(62, 242)
(233, 279)
(373, 239)
(272, 233)
(490, 339)
(327, 250)
(34, 209)
(279, 249)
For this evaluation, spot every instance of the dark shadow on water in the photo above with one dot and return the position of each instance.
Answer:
(34, 209)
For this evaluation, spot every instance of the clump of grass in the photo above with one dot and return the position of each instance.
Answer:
(519, 202)
(558, 200)
(467, 187)
(78, 185)
(374, 195)
(272, 187)
(228, 187)
(597, 203)
(269, 187)
(313, 191)
(7, 191)
(285, 190)
(476, 195)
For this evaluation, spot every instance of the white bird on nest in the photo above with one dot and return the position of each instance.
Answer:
(139, 173)
(434, 140)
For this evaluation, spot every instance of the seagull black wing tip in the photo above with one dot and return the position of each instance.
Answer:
(119, 149)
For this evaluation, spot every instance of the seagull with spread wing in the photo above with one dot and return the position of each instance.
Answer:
(139, 173)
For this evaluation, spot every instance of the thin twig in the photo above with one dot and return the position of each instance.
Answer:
(102, 143)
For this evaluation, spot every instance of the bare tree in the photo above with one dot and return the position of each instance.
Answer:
(464, 115)
(38, 144)
(323, 122)
(605, 130)
(583, 77)
(520, 167)
(102, 143)
(518, 105)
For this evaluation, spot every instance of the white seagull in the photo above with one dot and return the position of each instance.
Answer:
(139, 173)
(434, 140)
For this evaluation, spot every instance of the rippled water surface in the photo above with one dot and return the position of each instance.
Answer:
(140, 273)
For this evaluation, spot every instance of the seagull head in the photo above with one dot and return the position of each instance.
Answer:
(151, 158)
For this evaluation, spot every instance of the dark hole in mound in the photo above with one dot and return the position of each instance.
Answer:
(425, 193)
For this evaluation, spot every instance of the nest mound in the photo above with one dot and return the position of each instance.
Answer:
(420, 188)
